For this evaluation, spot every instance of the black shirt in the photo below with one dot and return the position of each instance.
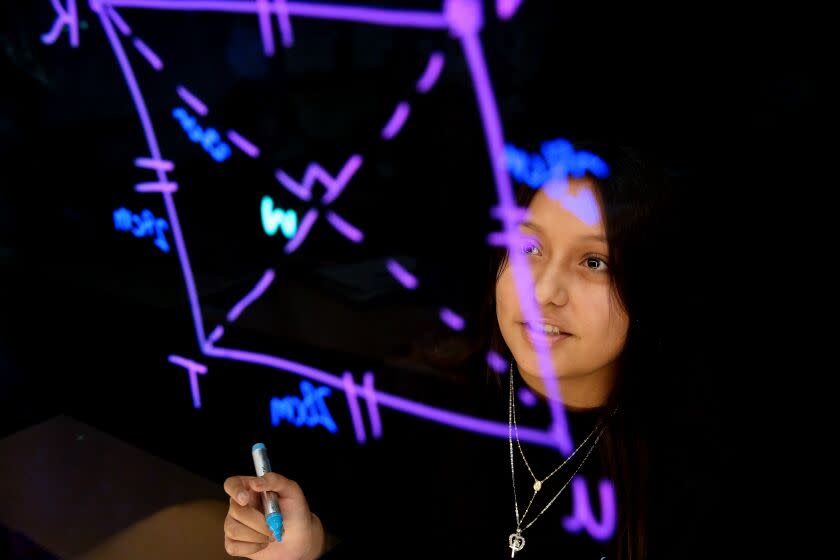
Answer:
(446, 493)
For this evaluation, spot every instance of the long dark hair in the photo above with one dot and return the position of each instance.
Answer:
(639, 221)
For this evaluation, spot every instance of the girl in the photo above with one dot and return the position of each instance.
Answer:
(599, 252)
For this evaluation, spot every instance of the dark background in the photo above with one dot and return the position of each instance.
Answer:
(91, 314)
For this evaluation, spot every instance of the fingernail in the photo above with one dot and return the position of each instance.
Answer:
(242, 498)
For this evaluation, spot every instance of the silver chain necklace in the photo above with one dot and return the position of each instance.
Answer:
(516, 541)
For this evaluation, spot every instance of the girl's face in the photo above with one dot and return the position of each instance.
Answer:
(567, 251)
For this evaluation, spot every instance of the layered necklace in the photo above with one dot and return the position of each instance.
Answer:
(516, 541)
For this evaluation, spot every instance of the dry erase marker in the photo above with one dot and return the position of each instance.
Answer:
(269, 499)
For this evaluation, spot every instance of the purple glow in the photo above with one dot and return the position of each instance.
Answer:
(284, 22)
(230, 6)
(314, 172)
(505, 9)
(156, 187)
(151, 140)
(452, 319)
(159, 165)
(292, 186)
(431, 74)
(490, 119)
(527, 397)
(397, 120)
(148, 54)
(303, 229)
(243, 144)
(420, 410)
(374, 16)
(404, 277)
(499, 364)
(215, 335)
(194, 102)
(398, 18)
(265, 27)
(193, 369)
(583, 518)
(522, 275)
(337, 185)
(350, 232)
(118, 21)
(353, 405)
(511, 213)
(464, 17)
(505, 238)
(373, 409)
(582, 204)
(252, 296)
(69, 18)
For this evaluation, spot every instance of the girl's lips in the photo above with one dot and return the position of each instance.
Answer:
(542, 338)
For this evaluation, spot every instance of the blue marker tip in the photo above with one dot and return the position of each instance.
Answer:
(257, 446)
(275, 523)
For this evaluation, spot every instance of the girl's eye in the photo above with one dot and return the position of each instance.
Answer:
(595, 263)
(531, 248)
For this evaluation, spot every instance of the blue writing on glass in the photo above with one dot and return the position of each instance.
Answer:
(275, 218)
(208, 139)
(557, 160)
(142, 225)
(310, 410)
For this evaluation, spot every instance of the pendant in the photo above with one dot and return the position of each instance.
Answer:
(537, 486)
(516, 542)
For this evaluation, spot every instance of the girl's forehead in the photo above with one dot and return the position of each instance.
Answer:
(567, 204)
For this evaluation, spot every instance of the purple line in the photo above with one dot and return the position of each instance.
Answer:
(158, 164)
(353, 405)
(462, 421)
(194, 390)
(243, 144)
(420, 410)
(404, 277)
(252, 296)
(303, 229)
(399, 18)
(509, 213)
(583, 518)
(148, 54)
(151, 140)
(215, 335)
(431, 74)
(119, 21)
(156, 187)
(265, 27)
(193, 368)
(499, 364)
(284, 22)
(314, 172)
(397, 120)
(373, 409)
(187, 363)
(350, 232)
(494, 137)
(300, 191)
(197, 105)
(374, 16)
(452, 319)
(336, 186)
(70, 18)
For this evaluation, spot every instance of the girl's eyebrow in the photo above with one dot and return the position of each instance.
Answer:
(531, 225)
(593, 237)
